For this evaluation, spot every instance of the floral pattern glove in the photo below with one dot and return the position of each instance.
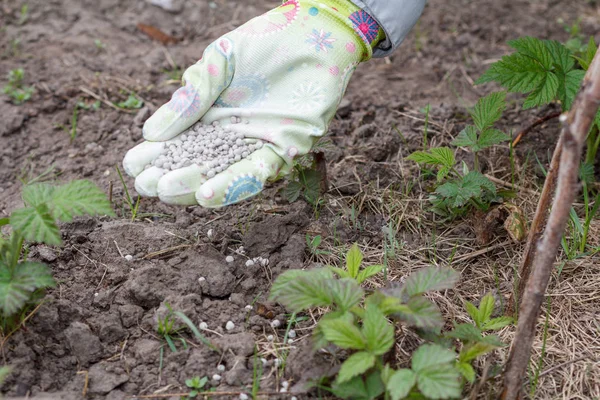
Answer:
(284, 73)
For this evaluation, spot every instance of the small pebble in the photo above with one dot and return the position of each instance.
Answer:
(285, 384)
(249, 263)
(283, 390)
(293, 398)
(270, 338)
(290, 341)
(229, 259)
(201, 279)
(292, 333)
(210, 233)
(216, 377)
(203, 326)
(277, 362)
(221, 367)
(275, 323)
(243, 396)
(263, 361)
(129, 257)
(229, 325)
(249, 307)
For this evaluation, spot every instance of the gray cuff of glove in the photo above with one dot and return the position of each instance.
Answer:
(396, 17)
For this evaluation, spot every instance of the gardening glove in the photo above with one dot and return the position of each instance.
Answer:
(284, 74)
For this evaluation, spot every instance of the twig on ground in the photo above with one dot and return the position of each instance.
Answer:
(207, 394)
(535, 124)
(575, 129)
(509, 185)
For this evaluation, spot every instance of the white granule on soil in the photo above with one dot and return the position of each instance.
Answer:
(212, 147)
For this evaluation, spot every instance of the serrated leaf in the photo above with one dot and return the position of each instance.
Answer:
(586, 173)
(36, 224)
(299, 290)
(466, 370)
(36, 194)
(352, 389)
(400, 383)
(495, 324)
(571, 83)
(377, 331)
(292, 191)
(488, 110)
(374, 385)
(16, 287)
(437, 156)
(369, 272)
(356, 364)
(561, 56)
(354, 258)
(440, 382)
(430, 279)
(544, 92)
(490, 137)
(443, 172)
(474, 313)
(486, 308)
(588, 55)
(343, 334)
(346, 293)
(466, 138)
(429, 355)
(421, 313)
(465, 333)
(533, 48)
(78, 198)
(516, 73)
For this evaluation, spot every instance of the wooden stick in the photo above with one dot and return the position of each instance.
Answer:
(575, 129)
(535, 124)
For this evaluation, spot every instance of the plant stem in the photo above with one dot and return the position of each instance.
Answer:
(476, 161)
(575, 129)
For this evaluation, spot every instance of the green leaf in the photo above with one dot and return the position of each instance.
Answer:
(533, 48)
(587, 173)
(515, 72)
(4, 221)
(36, 224)
(431, 355)
(544, 93)
(465, 333)
(466, 138)
(346, 293)
(369, 272)
(474, 350)
(354, 258)
(343, 333)
(374, 385)
(429, 279)
(586, 59)
(356, 364)
(377, 331)
(489, 138)
(342, 273)
(439, 382)
(421, 313)
(352, 389)
(569, 87)
(474, 313)
(488, 110)
(36, 194)
(561, 56)
(401, 383)
(300, 290)
(466, 370)
(486, 308)
(495, 324)
(292, 191)
(77, 198)
(16, 287)
(437, 156)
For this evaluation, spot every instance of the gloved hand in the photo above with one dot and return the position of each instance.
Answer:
(284, 73)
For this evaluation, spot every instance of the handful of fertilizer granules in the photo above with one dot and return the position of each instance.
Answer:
(212, 147)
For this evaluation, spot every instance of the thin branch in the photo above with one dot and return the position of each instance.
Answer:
(535, 124)
(575, 129)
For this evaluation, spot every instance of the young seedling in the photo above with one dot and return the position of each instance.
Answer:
(23, 15)
(353, 268)
(15, 89)
(313, 245)
(196, 384)
(21, 281)
(132, 102)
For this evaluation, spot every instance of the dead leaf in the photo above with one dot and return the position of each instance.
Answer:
(265, 311)
(156, 34)
(515, 224)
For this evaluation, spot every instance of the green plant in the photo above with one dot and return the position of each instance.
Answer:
(360, 324)
(99, 44)
(457, 191)
(353, 268)
(133, 207)
(22, 281)
(313, 245)
(169, 330)
(196, 384)
(23, 14)
(132, 102)
(15, 89)
(304, 181)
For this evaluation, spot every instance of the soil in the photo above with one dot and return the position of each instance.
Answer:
(96, 332)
